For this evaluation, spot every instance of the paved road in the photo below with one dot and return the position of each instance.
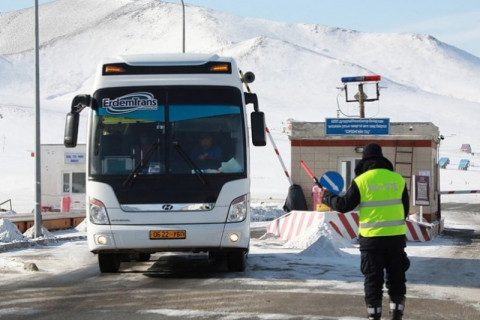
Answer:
(192, 287)
(195, 290)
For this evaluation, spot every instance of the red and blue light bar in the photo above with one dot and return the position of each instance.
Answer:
(361, 79)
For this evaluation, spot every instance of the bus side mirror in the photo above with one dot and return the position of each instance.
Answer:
(257, 121)
(71, 130)
(79, 103)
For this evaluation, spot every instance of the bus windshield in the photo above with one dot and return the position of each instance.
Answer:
(154, 131)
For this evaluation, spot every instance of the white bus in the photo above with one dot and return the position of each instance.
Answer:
(149, 188)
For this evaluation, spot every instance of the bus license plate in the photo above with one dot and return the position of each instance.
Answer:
(168, 234)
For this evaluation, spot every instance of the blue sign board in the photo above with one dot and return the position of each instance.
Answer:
(74, 158)
(357, 126)
(333, 181)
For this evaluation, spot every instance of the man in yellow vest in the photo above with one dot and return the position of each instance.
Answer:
(382, 199)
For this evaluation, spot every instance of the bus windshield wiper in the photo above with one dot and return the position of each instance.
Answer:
(131, 177)
(188, 160)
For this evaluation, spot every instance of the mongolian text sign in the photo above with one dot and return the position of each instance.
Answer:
(357, 126)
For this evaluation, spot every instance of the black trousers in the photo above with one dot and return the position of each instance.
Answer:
(383, 261)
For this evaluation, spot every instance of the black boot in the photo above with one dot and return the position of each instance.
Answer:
(397, 306)
(374, 311)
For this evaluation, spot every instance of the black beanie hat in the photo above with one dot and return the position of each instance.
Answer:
(372, 150)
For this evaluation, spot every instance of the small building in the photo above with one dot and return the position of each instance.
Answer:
(466, 148)
(444, 162)
(463, 164)
(63, 178)
(411, 147)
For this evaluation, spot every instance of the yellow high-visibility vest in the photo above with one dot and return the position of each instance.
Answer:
(381, 207)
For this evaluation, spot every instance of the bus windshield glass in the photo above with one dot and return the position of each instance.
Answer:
(157, 131)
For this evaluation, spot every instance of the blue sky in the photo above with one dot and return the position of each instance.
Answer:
(454, 22)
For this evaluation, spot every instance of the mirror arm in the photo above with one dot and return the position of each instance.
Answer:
(80, 102)
(251, 98)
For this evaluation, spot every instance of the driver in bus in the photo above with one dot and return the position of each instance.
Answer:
(206, 153)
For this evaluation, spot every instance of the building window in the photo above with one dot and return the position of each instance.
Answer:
(346, 168)
(78, 182)
(74, 182)
(66, 183)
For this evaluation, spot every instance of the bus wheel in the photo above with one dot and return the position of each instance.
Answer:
(144, 256)
(237, 260)
(108, 262)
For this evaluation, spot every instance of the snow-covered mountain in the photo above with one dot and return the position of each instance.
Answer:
(298, 69)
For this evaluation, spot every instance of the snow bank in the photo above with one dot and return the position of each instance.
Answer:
(82, 226)
(9, 232)
(30, 233)
(320, 240)
(266, 211)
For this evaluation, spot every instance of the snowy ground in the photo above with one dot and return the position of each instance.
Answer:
(440, 269)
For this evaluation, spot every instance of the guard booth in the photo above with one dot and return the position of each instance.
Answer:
(62, 178)
(337, 145)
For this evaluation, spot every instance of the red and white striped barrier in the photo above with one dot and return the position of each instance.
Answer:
(278, 155)
(418, 232)
(345, 224)
(348, 227)
(460, 192)
(294, 223)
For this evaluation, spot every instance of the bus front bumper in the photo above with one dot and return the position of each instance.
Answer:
(165, 238)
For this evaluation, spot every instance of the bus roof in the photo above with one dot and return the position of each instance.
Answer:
(166, 59)
(167, 69)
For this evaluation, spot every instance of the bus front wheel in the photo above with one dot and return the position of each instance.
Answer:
(237, 260)
(108, 262)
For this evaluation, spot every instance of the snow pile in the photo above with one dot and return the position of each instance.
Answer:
(9, 212)
(30, 233)
(266, 212)
(82, 226)
(320, 240)
(9, 232)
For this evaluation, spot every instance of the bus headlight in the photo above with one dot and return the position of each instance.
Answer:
(101, 239)
(238, 209)
(234, 237)
(97, 212)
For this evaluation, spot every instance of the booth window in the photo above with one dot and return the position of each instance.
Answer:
(346, 167)
(74, 182)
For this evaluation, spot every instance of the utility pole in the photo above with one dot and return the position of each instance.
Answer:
(38, 211)
(183, 8)
(361, 103)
